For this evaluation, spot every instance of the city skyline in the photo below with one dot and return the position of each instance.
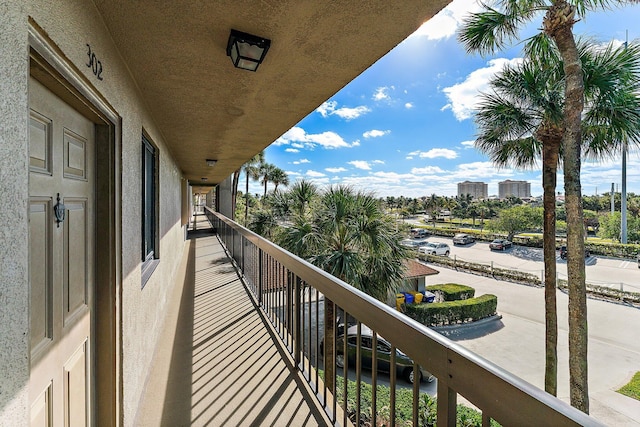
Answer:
(405, 125)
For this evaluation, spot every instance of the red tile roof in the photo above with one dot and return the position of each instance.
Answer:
(417, 269)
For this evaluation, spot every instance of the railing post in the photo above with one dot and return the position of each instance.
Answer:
(297, 321)
(260, 276)
(446, 404)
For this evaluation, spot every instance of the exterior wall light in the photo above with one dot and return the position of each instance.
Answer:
(211, 162)
(247, 51)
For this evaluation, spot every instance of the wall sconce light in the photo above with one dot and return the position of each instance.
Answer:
(211, 162)
(247, 51)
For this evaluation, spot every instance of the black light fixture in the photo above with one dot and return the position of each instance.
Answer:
(211, 162)
(247, 51)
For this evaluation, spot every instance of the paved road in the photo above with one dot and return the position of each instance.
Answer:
(614, 272)
(516, 343)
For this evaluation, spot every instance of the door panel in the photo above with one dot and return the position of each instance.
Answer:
(41, 409)
(75, 254)
(41, 279)
(75, 389)
(61, 260)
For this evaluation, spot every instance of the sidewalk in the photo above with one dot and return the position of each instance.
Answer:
(516, 343)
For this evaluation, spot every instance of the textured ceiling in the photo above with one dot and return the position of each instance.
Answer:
(206, 108)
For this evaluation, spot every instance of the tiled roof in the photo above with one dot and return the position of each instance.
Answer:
(417, 269)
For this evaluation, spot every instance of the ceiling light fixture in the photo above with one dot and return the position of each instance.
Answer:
(204, 179)
(247, 51)
(211, 162)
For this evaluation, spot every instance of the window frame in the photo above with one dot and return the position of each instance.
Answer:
(149, 209)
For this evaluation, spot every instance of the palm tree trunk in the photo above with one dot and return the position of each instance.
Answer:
(574, 104)
(550, 153)
(234, 192)
(246, 200)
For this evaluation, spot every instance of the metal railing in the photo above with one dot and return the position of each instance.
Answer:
(302, 302)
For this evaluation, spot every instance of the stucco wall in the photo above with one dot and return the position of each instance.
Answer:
(14, 297)
(71, 25)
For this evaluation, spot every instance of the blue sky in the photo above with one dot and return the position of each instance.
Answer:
(405, 126)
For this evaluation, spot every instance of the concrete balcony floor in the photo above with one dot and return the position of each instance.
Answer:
(219, 362)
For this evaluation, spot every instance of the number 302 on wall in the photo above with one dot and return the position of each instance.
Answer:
(94, 63)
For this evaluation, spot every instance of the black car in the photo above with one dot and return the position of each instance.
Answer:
(563, 252)
(404, 364)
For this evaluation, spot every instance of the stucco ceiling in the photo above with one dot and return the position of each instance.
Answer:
(207, 109)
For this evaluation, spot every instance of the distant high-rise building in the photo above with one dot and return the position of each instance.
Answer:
(477, 190)
(514, 188)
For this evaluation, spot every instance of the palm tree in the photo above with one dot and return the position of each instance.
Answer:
(523, 119)
(348, 235)
(266, 172)
(279, 177)
(252, 171)
(302, 193)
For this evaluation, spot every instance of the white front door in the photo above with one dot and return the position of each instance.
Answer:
(61, 260)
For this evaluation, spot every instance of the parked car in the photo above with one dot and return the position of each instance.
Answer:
(563, 252)
(638, 259)
(499, 245)
(404, 364)
(463, 239)
(419, 233)
(435, 249)
(413, 244)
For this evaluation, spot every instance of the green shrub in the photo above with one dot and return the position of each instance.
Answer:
(453, 312)
(427, 406)
(451, 291)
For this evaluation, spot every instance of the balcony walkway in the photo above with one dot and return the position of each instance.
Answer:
(219, 362)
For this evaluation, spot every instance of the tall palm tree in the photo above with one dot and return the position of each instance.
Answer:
(252, 171)
(522, 120)
(279, 177)
(266, 172)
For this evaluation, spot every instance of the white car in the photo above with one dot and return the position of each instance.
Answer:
(435, 249)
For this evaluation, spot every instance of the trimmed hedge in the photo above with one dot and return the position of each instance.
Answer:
(451, 291)
(453, 312)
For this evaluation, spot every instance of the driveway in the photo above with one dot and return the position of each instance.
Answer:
(518, 344)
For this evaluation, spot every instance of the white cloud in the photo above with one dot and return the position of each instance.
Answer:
(292, 150)
(427, 170)
(408, 105)
(374, 133)
(293, 134)
(468, 144)
(360, 164)
(335, 170)
(378, 162)
(301, 161)
(297, 137)
(478, 170)
(446, 22)
(381, 94)
(463, 97)
(434, 153)
(329, 108)
(314, 174)
(351, 113)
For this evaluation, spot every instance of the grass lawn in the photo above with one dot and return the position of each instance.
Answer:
(632, 389)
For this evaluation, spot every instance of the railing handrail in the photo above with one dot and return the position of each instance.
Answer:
(506, 398)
